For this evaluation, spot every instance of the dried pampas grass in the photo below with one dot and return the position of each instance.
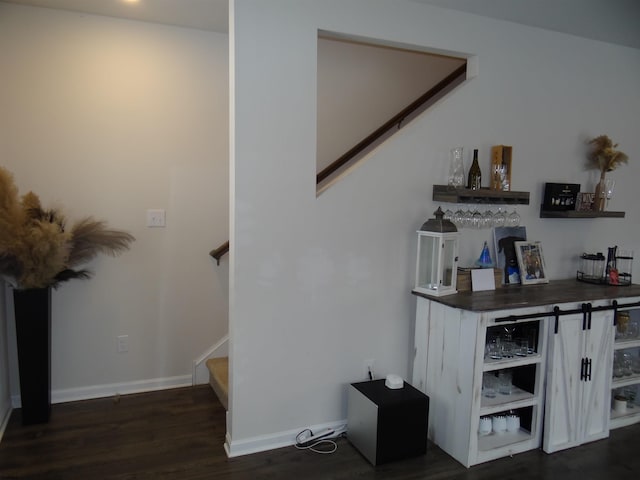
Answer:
(37, 250)
(603, 155)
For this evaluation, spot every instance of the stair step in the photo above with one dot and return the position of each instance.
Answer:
(219, 378)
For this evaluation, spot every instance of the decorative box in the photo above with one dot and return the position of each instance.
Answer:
(500, 179)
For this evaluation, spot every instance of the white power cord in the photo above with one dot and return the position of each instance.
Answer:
(319, 442)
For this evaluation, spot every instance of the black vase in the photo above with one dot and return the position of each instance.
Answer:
(33, 337)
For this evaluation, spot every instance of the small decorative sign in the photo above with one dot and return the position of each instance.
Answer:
(584, 201)
(560, 196)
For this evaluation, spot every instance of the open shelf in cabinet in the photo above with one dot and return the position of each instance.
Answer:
(619, 382)
(516, 399)
(622, 344)
(632, 413)
(523, 390)
(491, 364)
(446, 193)
(626, 364)
(492, 441)
(629, 417)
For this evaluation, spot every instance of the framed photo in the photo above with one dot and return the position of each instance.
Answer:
(531, 262)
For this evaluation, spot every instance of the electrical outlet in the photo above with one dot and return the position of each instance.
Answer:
(122, 343)
(156, 218)
(368, 369)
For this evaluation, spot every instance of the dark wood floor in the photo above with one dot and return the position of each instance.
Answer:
(178, 434)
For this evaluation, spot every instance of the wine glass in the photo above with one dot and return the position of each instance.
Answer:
(487, 219)
(467, 219)
(476, 219)
(609, 185)
(448, 215)
(500, 218)
(513, 219)
(458, 217)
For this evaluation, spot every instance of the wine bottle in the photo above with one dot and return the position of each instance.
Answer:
(474, 179)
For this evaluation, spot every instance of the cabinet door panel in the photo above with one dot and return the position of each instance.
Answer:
(597, 388)
(563, 402)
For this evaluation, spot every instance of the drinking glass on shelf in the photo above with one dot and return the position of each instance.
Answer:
(522, 349)
(476, 219)
(513, 422)
(505, 385)
(627, 364)
(499, 424)
(487, 219)
(508, 348)
(467, 219)
(458, 217)
(500, 218)
(485, 426)
(448, 215)
(494, 349)
(635, 365)
(489, 385)
(633, 328)
(513, 219)
(609, 185)
(630, 393)
(618, 367)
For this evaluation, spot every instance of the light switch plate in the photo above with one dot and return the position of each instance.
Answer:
(155, 218)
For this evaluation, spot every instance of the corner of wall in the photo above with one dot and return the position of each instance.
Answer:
(5, 395)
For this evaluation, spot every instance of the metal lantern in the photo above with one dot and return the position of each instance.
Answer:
(437, 263)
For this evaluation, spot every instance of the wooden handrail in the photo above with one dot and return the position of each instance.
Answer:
(397, 121)
(217, 253)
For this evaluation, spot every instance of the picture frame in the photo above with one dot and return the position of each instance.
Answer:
(506, 259)
(531, 262)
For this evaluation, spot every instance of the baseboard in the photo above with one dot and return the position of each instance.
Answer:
(263, 443)
(200, 370)
(113, 389)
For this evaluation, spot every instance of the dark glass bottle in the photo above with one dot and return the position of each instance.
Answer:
(474, 179)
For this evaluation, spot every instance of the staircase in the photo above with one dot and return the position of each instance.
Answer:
(219, 378)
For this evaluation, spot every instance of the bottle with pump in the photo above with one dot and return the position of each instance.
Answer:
(474, 179)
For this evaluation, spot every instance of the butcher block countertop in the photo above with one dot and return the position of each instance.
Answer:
(521, 296)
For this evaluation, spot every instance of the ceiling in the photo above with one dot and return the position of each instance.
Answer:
(203, 14)
(614, 21)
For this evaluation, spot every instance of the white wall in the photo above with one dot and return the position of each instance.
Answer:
(109, 118)
(320, 284)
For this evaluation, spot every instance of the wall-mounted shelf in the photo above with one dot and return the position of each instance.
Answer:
(575, 214)
(446, 193)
